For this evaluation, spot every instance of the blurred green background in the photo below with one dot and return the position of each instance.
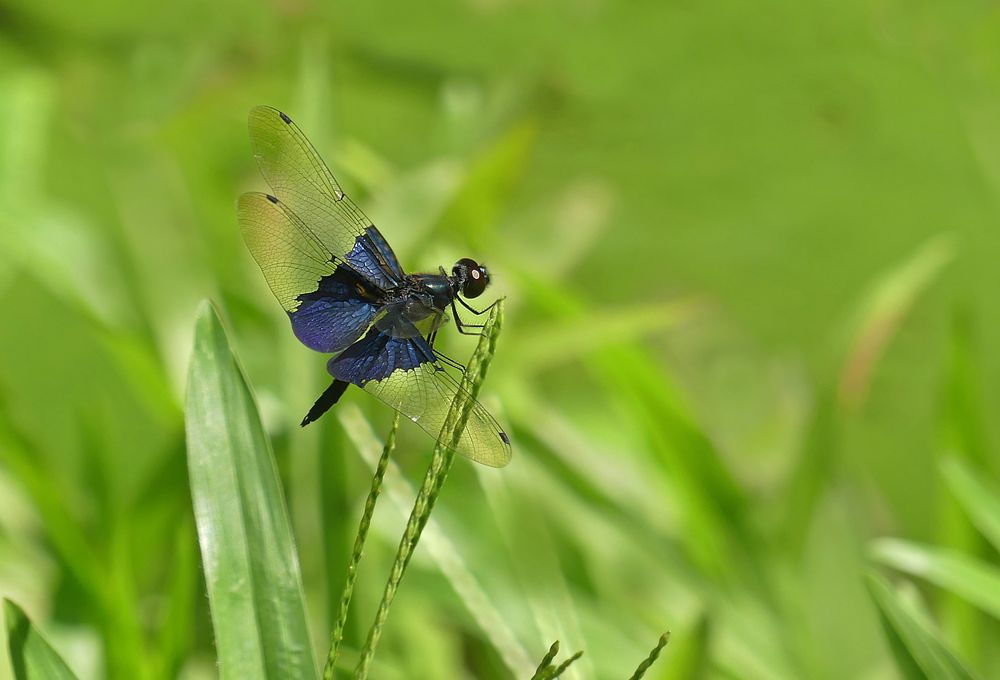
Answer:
(750, 259)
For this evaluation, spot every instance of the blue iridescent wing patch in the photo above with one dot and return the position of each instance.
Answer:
(300, 180)
(334, 316)
(404, 374)
(377, 356)
(385, 251)
(330, 305)
(368, 258)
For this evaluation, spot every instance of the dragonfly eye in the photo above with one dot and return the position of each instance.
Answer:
(474, 277)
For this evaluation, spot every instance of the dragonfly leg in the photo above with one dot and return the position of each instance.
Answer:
(478, 312)
(461, 325)
(448, 361)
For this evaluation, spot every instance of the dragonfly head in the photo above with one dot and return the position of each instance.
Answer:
(470, 277)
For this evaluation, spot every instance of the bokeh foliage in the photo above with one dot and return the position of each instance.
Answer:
(750, 259)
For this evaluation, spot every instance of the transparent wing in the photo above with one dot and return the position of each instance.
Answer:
(324, 299)
(301, 180)
(425, 395)
(403, 373)
(289, 254)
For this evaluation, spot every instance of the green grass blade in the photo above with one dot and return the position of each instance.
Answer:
(176, 632)
(446, 555)
(919, 651)
(978, 497)
(32, 657)
(250, 563)
(486, 191)
(564, 341)
(976, 582)
(561, 668)
(651, 659)
(690, 654)
(359, 545)
(547, 670)
(883, 311)
(77, 551)
(963, 434)
(546, 661)
(437, 472)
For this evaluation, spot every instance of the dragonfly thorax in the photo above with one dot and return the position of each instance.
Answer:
(416, 306)
(434, 290)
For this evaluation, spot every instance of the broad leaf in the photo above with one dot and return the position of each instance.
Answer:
(251, 567)
(973, 580)
(919, 651)
(30, 654)
(979, 497)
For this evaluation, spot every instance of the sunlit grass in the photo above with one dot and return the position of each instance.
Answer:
(548, 669)
(749, 354)
(337, 635)
(437, 473)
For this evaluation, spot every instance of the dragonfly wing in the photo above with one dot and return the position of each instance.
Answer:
(385, 250)
(336, 315)
(302, 181)
(330, 305)
(403, 373)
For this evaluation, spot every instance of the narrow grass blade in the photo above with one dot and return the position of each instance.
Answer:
(332, 497)
(488, 182)
(546, 661)
(531, 545)
(359, 545)
(884, 311)
(176, 636)
(442, 550)
(547, 670)
(976, 582)
(689, 656)
(979, 497)
(964, 424)
(566, 340)
(919, 651)
(437, 472)
(114, 615)
(561, 668)
(962, 432)
(250, 563)
(651, 659)
(32, 657)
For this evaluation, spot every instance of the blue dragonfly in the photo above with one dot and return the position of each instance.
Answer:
(345, 292)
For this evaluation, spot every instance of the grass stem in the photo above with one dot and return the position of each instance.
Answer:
(546, 670)
(359, 545)
(648, 661)
(437, 472)
(546, 661)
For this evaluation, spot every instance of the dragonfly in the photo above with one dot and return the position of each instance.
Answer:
(346, 294)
